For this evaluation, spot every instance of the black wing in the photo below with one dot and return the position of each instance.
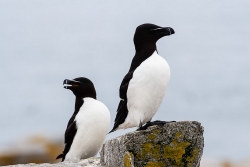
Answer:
(70, 130)
(68, 138)
(121, 115)
(124, 85)
(122, 110)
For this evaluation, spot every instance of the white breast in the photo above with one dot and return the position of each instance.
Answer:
(92, 121)
(146, 90)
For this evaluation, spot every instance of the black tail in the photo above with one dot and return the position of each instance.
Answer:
(122, 113)
(60, 156)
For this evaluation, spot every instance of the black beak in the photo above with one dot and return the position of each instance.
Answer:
(164, 31)
(70, 83)
(169, 30)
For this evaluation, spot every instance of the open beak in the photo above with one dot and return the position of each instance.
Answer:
(67, 83)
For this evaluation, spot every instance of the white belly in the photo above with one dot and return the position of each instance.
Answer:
(93, 122)
(146, 90)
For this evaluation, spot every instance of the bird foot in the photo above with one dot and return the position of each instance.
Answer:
(157, 122)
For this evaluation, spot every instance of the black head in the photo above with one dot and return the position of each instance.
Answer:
(81, 87)
(150, 33)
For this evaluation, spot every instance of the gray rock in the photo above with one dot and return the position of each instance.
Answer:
(178, 144)
(90, 162)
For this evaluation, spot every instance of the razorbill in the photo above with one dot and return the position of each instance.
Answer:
(89, 124)
(143, 87)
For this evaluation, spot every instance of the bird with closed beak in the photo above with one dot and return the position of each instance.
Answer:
(143, 87)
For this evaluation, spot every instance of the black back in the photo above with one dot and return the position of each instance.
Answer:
(83, 88)
(145, 38)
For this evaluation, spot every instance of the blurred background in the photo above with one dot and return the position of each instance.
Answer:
(44, 42)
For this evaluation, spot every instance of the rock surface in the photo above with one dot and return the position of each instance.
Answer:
(90, 162)
(177, 144)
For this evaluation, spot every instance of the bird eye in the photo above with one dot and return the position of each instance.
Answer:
(74, 85)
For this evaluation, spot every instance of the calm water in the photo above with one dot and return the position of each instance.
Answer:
(43, 42)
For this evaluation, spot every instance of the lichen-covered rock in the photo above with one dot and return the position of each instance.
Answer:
(177, 144)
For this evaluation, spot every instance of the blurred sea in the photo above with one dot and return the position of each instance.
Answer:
(44, 42)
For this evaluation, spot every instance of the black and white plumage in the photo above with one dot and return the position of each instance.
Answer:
(89, 124)
(143, 87)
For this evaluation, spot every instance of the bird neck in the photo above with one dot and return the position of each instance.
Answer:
(78, 104)
(145, 48)
(142, 53)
